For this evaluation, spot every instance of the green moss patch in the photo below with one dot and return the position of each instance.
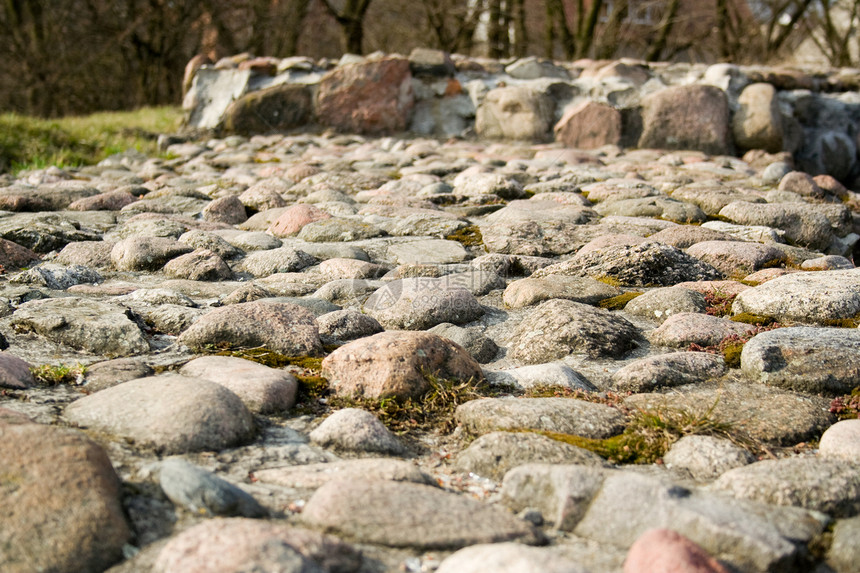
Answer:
(274, 359)
(467, 236)
(748, 318)
(611, 281)
(650, 433)
(618, 302)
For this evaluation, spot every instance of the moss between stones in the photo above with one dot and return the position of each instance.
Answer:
(749, 318)
(611, 281)
(650, 433)
(842, 322)
(467, 236)
(618, 302)
(273, 359)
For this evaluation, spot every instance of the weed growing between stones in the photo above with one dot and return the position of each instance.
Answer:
(847, 407)
(618, 302)
(718, 303)
(732, 346)
(614, 399)
(650, 433)
(50, 375)
(432, 411)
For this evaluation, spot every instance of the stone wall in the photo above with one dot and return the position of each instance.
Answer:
(721, 109)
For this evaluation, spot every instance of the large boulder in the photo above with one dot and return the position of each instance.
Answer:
(757, 124)
(278, 108)
(373, 97)
(687, 117)
(516, 112)
(61, 507)
(589, 125)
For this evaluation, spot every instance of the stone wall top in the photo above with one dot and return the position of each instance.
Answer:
(722, 109)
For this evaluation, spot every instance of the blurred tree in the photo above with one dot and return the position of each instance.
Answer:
(350, 17)
(453, 23)
(831, 25)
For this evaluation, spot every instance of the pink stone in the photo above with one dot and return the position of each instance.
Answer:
(666, 551)
(295, 218)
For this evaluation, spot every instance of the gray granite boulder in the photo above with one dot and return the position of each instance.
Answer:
(356, 430)
(686, 328)
(829, 486)
(535, 228)
(391, 514)
(262, 389)
(201, 492)
(97, 327)
(617, 507)
(493, 454)
(706, 457)
(804, 297)
(562, 415)
(171, 414)
(421, 303)
(646, 264)
(667, 370)
(661, 303)
(283, 327)
(528, 291)
(557, 328)
(768, 414)
(805, 359)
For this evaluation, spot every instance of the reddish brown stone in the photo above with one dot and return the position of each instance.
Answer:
(14, 256)
(373, 97)
(589, 125)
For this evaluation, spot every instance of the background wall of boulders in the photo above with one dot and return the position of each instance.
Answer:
(721, 109)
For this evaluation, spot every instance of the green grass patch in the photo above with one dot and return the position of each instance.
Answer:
(32, 143)
(55, 375)
(432, 411)
(618, 302)
(732, 346)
